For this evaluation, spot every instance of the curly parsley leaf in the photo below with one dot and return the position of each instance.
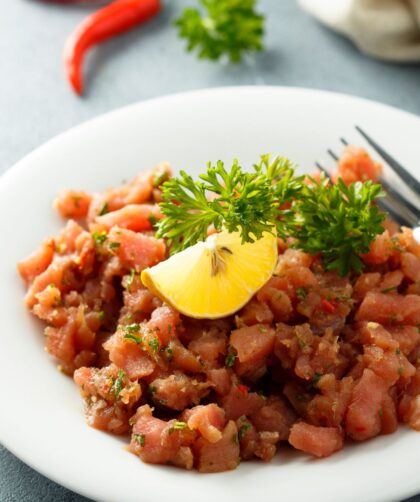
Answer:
(235, 200)
(337, 221)
(222, 28)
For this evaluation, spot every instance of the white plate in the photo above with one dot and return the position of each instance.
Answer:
(41, 417)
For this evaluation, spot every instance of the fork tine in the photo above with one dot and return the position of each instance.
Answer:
(396, 215)
(393, 164)
(344, 141)
(399, 197)
(332, 155)
(323, 170)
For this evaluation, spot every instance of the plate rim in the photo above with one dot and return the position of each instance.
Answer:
(20, 165)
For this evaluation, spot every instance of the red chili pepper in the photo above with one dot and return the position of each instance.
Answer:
(328, 306)
(118, 17)
(243, 388)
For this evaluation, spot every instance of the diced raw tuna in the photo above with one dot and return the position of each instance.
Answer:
(136, 217)
(208, 420)
(73, 204)
(390, 309)
(318, 441)
(220, 456)
(37, 262)
(363, 419)
(136, 250)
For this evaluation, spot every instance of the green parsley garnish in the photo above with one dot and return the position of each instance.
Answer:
(118, 383)
(104, 209)
(130, 279)
(139, 438)
(159, 177)
(337, 221)
(301, 293)
(114, 245)
(314, 382)
(391, 289)
(169, 354)
(177, 426)
(99, 237)
(230, 360)
(154, 344)
(101, 315)
(243, 429)
(227, 28)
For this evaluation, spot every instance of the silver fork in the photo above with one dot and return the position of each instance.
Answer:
(403, 211)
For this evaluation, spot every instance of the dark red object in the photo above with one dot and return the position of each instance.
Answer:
(243, 388)
(118, 17)
(328, 306)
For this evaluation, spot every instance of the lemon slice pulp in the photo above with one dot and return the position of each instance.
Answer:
(214, 278)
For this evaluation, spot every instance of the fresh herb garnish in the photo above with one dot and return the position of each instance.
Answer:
(177, 426)
(114, 245)
(337, 221)
(391, 289)
(154, 344)
(99, 237)
(227, 28)
(243, 429)
(118, 383)
(245, 202)
(230, 360)
(139, 438)
(301, 293)
(104, 209)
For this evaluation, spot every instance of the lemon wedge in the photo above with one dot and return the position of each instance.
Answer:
(214, 278)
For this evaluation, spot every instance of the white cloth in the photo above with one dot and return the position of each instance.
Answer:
(386, 29)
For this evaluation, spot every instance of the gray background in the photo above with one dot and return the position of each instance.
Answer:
(36, 102)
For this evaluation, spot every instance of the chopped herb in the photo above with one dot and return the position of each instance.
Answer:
(262, 329)
(169, 329)
(139, 438)
(301, 293)
(114, 245)
(400, 370)
(154, 344)
(301, 343)
(230, 360)
(169, 354)
(235, 438)
(134, 338)
(314, 382)
(130, 279)
(380, 412)
(152, 389)
(398, 351)
(153, 220)
(132, 328)
(390, 289)
(302, 397)
(119, 383)
(160, 177)
(243, 429)
(104, 209)
(179, 426)
(101, 315)
(99, 237)
(52, 286)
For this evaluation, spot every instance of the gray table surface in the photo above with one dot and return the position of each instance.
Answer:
(36, 102)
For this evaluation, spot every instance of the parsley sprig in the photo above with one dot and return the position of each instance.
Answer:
(339, 222)
(247, 202)
(228, 27)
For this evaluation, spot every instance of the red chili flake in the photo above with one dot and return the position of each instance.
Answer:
(243, 388)
(329, 306)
